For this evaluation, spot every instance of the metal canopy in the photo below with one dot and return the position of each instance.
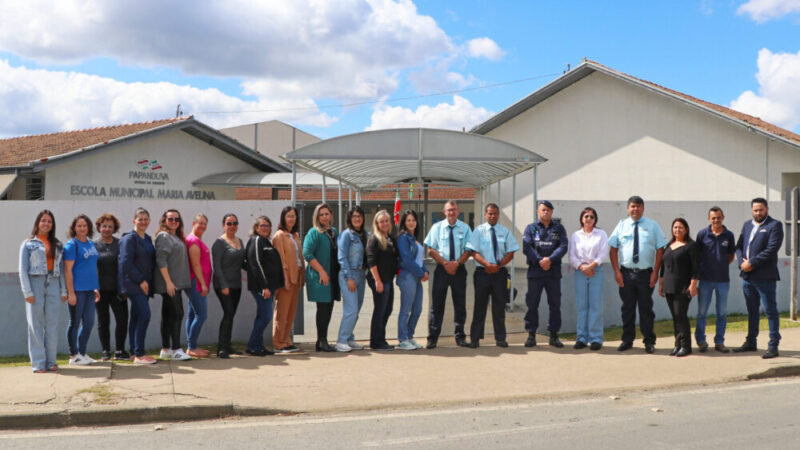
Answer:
(373, 159)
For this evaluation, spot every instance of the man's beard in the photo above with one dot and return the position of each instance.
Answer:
(759, 220)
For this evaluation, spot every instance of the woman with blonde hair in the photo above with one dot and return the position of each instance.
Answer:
(322, 270)
(200, 264)
(382, 264)
(137, 259)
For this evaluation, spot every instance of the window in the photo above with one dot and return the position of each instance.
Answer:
(34, 188)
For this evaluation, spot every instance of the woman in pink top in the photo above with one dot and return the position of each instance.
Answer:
(200, 264)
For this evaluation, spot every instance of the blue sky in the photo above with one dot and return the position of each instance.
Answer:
(73, 64)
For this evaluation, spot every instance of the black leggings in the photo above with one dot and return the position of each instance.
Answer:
(171, 318)
(119, 306)
(229, 304)
(324, 312)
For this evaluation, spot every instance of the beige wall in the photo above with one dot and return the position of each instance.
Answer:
(607, 139)
(274, 138)
(183, 158)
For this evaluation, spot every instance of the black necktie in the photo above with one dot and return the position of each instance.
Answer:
(635, 242)
(452, 245)
(494, 246)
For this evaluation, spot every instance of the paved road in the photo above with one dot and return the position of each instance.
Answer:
(762, 415)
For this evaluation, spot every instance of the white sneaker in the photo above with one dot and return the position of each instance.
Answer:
(355, 345)
(342, 347)
(165, 354)
(180, 355)
(78, 360)
(406, 345)
(88, 358)
(73, 360)
(414, 343)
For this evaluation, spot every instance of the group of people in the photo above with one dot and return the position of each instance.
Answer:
(108, 273)
(642, 258)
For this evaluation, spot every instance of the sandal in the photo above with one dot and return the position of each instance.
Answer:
(40, 371)
(53, 368)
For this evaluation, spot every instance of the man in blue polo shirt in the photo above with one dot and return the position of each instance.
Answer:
(717, 247)
(544, 243)
(447, 245)
(757, 253)
(636, 246)
(493, 247)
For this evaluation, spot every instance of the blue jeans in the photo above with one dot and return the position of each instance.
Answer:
(410, 305)
(198, 311)
(589, 303)
(761, 293)
(705, 290)
(82, 313)
(351, 305)
(140, 318)
(264, 307)
(42, 318)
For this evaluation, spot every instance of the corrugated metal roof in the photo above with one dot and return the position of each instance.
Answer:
(377, 158)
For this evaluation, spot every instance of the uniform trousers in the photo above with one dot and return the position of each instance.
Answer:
(488, 286)
(637, 293)
(458, 288)
(534, 295)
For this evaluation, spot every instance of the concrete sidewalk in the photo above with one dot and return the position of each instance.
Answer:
(106, 393)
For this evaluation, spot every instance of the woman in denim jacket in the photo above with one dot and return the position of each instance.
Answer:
(412, 274)
(352, 279)
(41, 275)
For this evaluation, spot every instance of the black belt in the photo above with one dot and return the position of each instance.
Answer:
(649, 269)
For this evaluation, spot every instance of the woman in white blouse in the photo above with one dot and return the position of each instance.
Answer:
(588, 250)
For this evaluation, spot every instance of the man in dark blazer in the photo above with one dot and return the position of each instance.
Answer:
(757, 254)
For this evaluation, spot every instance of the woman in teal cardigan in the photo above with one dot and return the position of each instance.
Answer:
(322, 270)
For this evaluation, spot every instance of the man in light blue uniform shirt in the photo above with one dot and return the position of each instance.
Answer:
(446, 242)
(493, 246)
(636, 246)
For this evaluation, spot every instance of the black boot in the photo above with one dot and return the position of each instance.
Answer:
(554, 340)
(323, 346)
(531, 341)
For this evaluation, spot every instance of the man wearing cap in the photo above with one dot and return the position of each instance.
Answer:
(636, 246)
(493, 247)
(446, 242)
(544, 243)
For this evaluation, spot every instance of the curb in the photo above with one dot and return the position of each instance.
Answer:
(776, 372)
(110, 417)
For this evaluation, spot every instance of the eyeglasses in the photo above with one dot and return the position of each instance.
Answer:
(588, 216)
(173, 219)
(232, 224)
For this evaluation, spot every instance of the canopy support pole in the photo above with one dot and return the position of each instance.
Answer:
(340, 205)
(324, 190)
(294, 183)
(513, 233)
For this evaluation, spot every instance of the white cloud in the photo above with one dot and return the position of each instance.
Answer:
(778, 97)
(35, 101)
(343, 49)
(451, 116)
(484, 48)
(765, 10)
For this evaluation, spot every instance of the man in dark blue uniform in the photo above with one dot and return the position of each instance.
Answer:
(544, 243)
